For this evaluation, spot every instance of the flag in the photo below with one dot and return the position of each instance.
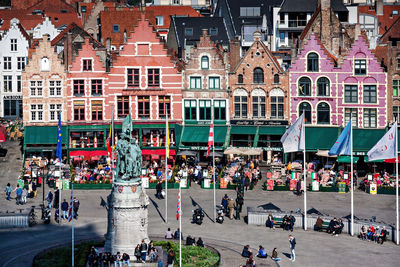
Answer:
(342, 144)
(178, 208)
(210, 139)
(59, 141)
(167, 138)
(293, 139)
(386, 146)
(70, 207)
(109, 148)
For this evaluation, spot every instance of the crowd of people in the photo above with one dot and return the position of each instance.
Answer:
(373, 234)
(89, 173)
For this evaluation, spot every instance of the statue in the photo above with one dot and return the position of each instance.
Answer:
(129, 155)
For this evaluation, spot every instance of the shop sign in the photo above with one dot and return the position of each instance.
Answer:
(12, 97)
(359, 153)
(258, 123)
(308, 98)
(198, 148)
(272, 148)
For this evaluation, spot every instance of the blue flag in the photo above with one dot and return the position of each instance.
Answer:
(59, 142)
(342, 144)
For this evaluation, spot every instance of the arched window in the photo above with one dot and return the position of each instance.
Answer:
(240, 103)
(277, 98)
(304, 86)
(258, 75)
(323, 113)
(306, 109)
(204, 62)
(323, 85)
(240, 78)
(276, 78)
(258, 101)
(312, 62)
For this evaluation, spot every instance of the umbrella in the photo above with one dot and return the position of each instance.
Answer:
(252, 152)
(187, 153)
(216, 154)
(233, 150)
(324, 153)
(3, 134)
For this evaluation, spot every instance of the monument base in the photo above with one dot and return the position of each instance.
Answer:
(127, 217)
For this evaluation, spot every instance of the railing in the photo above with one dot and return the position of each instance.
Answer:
(297, 23)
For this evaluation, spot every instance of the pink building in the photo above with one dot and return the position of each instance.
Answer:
(330, 95)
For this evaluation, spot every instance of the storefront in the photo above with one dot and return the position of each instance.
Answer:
(12, 107)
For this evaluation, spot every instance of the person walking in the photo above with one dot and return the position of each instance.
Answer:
(64, 208)
(224, 202)
(8, 191)
(49, 199)
(231, 207)
(75, 205)
(143, 250)
(292, 245)
(159, 189)
(18, 194)
(56, 197)
(171, 259)
(24, 195)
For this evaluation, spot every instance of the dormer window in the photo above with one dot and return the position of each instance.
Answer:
(240, 78)
(205, 63)
(188, 31)
(160, 20)
(87, 65)
(45, 64)
(115, 28)
(213, 31)
(360, 67)
(13, 44)
(83, 9)
(312, 62)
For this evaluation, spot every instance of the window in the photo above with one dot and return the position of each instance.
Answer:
(87, 64)
(304, 86)
(195, 82)
(396, 87)
(83, 9)
(79, 110)
(205, 110)
(164, 106)
(97, 110)
(323, 85)
(133, 77)
(13, 44)
(7, 63)
(79, 87)
(350, 113)
(190, 110)
(282, 36)
(54, 109)
(398, 63)
(240, 78)
(277, 107)
(97, 87)
(21, 63)
(10, 108)
(220, 110)
(160, 20)
(396, 113)
(188, 31)
(360, 67)
(204, 63)
(122, 106)
(45, 64)
(240, 103)
(7, 83)
(369, 93)
(143, 107)
(258, 75)
(258, 106)
(369, 118)
(214, 31)
(153, 76)
(350, 93)
(37, 112)
(55, 88)
(276, 78)
(19, 84)
(213, 83)
(115, 28)
(250, 11)
(323, 113)
(36, 88)
(282, 18)
(306, 109)
(312, 62)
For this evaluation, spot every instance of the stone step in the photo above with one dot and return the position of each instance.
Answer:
(147, 264)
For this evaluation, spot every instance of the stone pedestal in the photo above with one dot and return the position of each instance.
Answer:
(127, 217)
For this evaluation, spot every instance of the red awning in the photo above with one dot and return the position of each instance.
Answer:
(84, 153)
(160, 152)
(3, 134)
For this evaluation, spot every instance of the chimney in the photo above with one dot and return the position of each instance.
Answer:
(108, 44)
(379, 7)
(234, 53)
(357, 31)
(204, 32)
(143, 5)
(257, 36)
(69, 50)
(325, 4)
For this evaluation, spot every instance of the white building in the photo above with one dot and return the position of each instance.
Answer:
(13, 58)
(46, 27)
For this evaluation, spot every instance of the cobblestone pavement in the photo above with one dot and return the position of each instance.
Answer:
(19, 246)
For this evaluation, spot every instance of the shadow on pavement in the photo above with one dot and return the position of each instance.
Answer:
(156, 206)
(270, 206)
(194, 203)
(288, 255)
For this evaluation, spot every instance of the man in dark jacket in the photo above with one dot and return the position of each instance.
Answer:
(75, 205)
(159, 189)
(292, 221)
(224, 202)
(292, 245)
(56, 198)
(64, 208)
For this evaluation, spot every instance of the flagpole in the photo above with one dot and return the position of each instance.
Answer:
(305, 175)
(73, 245)
(112, 142)
(397, 188)
(180, 224)
(166, 165)
(351, 180)
(213, 159)
(60, 187)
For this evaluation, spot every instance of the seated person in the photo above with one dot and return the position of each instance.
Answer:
(200, 242)
(275, 255)
(153, 257)
(382, 235)
(250, 262)
(177, 233)
(168, 234)
(318, 224)
(370, 232)
(270, 221)
(338, 227)
(261, 252)
(246, 251)
(331, 226)
(285, 222)
(376, 234)
(190, 241)
(363, 233)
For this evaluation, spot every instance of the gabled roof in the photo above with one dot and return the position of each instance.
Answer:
(197, 24)
(52, 6)
(393, 31)
(77, 30)
(23, 32)
(384, 21)
(309, 6)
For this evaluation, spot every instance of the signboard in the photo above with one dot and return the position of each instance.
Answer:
(373, 189)
(342, 187)
(315, 185)
(145, 182)
(272, 148)
(369, 177)
(207, 183)
(346, 176)
(270, 185)
(293, 184)
(65, 184)
(144, 171)
(256, 122)
(185, 173)
(294, 175)
(12, 97)
(183, 182)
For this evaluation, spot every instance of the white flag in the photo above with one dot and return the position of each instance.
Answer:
(386, 147)
(293, 140)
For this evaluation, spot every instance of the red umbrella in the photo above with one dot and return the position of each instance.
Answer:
(3, 134)
(393, 160)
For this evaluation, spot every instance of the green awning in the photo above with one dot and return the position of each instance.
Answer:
(243, 129)
(346, 159)
(321, 138)
(41, 135)
(365, 139)
(271, 130)
(367, 161)
(199, 134)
